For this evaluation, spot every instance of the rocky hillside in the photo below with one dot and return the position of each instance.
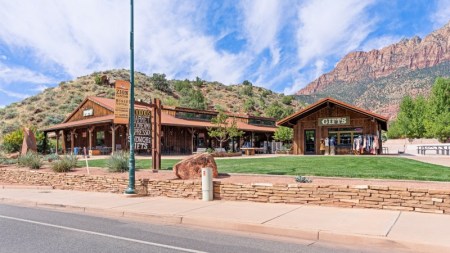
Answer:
(378, 79)
(52, 105)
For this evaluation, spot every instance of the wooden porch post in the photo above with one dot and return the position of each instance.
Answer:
(113, 137)
(64, 141)
(90, 130)
(72, 140)
(45, 143)
(156, 136)
(58, 134)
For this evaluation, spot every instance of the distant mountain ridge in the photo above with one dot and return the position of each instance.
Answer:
(378, 79)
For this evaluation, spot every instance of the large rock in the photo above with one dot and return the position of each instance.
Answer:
(29, 141)
(191, 167)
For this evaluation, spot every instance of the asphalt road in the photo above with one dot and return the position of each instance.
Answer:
(39, 230)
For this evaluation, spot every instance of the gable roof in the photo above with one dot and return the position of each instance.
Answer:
(289, 120)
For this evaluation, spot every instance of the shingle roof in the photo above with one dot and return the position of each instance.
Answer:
(166, 119)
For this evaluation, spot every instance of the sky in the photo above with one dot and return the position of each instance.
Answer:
(280, 45)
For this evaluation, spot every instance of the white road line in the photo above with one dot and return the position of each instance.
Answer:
(104, 235)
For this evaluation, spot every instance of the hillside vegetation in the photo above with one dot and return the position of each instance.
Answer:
(53, 105)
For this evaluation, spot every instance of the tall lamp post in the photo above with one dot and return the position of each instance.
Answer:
(131, 182)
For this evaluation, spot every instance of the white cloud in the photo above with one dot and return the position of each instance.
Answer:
(14, 94)
(331, 27)
(441, 15)
(10, 75)
(380, 42)
(3, 57)
(84, 36)
(261, 23)
(2, 106)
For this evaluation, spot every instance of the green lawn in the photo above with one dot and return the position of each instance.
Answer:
(330, 166)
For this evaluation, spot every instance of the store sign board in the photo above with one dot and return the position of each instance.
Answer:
(142, 129)
(335, 121)
(121, 111)
(88, 112)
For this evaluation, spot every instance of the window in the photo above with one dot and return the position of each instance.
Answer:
(194, 116)
(261, 122)
(100, 140)
(344, 136)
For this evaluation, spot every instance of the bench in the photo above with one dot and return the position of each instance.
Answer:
(220, 150)
(445, 149)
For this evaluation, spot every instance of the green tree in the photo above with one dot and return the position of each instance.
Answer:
(224, 129)
(405, 117)
(160, 82)
(193, 99)
(278, 111)
(284, 134)
(394, 131)
(247, 88)
(437, 121)
(287, 100)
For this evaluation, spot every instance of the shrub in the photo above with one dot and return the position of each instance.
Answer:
(30, 160)
(65, 163)
(12, 142)
(52, 157)
(10, 114)
(302, 179)
(118, 162)
(287, 100)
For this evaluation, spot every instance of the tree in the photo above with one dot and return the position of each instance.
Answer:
(277, 111)
(437, 121)
(160, 82)
(247, 88)
(193, 99)
(284, 134)
(405, 117)
(224, 129)
(287, 100)
(12, 142)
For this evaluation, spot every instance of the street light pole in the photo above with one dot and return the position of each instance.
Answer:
(131, 182)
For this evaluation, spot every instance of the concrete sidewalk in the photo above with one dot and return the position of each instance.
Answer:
(397, 230)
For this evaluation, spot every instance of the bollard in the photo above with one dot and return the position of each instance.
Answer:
(207, 184)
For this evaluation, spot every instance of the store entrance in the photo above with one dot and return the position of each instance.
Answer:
(310, 144)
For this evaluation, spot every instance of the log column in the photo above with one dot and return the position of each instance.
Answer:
(64, 141)
(90, 130)
(58, 135)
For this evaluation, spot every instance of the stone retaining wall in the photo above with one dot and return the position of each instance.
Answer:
(359, 196)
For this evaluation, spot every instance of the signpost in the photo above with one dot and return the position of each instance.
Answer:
(121, 111)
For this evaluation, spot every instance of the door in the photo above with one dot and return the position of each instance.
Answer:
(310, 142)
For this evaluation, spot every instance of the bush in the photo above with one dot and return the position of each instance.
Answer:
(52, 157)
(12, 142)
(287, 100)
(118, 162)
(302, 179)
(65, 164)
(30, 160)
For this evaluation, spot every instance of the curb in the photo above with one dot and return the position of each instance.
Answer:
(303, 234)
(15, 186)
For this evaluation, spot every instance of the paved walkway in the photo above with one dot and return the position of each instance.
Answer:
(416, 232)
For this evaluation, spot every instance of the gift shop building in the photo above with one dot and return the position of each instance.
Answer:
(330, 126)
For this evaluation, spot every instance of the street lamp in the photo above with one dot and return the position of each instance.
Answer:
(131, 183)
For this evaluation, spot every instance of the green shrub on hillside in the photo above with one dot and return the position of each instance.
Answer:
(12, 142)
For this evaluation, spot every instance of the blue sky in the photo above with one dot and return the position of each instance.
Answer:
(281, 45)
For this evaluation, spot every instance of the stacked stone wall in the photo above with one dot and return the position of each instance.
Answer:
(351, 196)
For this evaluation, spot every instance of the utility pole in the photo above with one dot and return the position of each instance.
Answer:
(132, 162)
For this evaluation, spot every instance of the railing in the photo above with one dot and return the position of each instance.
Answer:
(443, 149)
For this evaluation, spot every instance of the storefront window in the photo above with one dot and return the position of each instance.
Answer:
(344, 136)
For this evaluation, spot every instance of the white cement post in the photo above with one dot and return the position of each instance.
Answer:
(207, 184)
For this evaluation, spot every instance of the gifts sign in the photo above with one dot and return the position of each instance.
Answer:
(142, 129)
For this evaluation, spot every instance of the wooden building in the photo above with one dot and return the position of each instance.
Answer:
(183, 130)
(329, 122)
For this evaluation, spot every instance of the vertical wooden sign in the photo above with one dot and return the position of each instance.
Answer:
(142, 129)
(122, 109)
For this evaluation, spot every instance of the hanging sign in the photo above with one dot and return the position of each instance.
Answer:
(142, 129)
(121, 111)
(335, 121)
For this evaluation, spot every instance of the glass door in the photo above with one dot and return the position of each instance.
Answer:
(310, 144)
